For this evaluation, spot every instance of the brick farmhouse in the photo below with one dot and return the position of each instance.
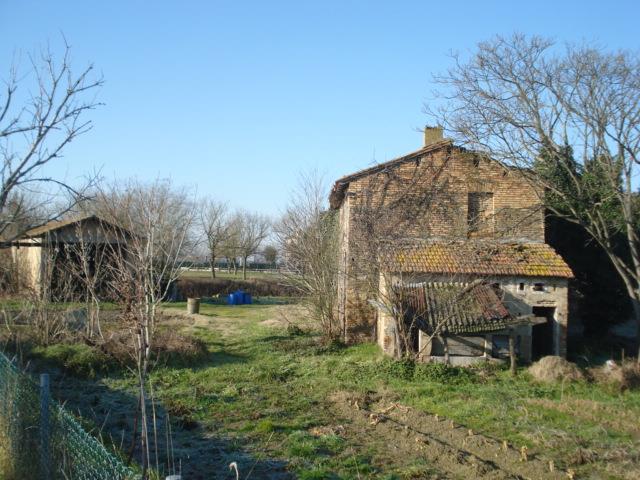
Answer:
(448, 220)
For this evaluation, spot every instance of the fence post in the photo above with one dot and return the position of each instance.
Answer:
(45, 431)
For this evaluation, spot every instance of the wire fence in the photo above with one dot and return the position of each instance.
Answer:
(40, 439)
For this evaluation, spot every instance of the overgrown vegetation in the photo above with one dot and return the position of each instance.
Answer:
(263, 396)
(207, 287)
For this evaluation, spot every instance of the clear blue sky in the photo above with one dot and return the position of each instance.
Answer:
(235, 98)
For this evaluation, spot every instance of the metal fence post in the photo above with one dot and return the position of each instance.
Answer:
(45, 431)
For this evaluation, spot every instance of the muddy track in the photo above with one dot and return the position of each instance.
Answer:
(453, 450)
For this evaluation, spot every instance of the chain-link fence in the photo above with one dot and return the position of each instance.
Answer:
(40, 439)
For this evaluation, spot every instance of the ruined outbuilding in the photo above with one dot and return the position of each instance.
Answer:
(443, 218)
(51, 257)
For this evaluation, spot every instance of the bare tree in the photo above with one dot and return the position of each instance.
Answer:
(228, 248)
(307, 238)
(394, 209)
(153, 225)
(571, 120)
(270, 253)
(35, 132)
(216, 226)
(252, 229)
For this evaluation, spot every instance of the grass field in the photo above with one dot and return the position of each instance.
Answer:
(224, 274)
(283, 405)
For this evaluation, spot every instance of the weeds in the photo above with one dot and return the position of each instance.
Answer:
(265, 392)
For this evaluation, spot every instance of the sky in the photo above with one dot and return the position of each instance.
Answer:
(235, 99)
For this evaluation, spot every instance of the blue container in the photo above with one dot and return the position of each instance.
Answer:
(247, 298)
(232, 299)
(239, 297)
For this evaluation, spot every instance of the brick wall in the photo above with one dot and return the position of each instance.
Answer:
(425, 197)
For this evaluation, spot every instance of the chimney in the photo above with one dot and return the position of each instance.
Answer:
(432, 135)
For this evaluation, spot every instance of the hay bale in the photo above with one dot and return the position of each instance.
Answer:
(555, 369)
(621, 377)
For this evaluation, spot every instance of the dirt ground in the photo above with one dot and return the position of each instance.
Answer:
(454, 450)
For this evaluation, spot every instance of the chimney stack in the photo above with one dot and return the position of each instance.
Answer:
(432, 135)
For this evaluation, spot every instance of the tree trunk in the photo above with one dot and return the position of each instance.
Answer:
(244, 268)
(635, 301)
(213, 268)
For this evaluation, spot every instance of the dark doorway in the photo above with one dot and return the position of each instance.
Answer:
(542, 340)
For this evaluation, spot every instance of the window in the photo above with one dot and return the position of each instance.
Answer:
(538, 287)
(521, 286)
(480, 212)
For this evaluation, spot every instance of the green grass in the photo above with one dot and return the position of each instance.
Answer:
(23, 304)
(266, 389)
(285, 380)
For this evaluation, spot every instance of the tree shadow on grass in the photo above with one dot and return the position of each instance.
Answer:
(184, 444)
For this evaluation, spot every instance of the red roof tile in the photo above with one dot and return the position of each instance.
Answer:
(456, 308)
(480, 258)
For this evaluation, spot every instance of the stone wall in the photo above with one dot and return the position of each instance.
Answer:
(521, 296)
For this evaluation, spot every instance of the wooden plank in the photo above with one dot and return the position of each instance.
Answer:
(460, 346)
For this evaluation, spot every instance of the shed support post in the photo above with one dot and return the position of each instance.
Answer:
(512, 352)
(445, 347)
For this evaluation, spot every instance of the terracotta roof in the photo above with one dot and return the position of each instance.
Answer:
(456, 308)
(480, 258)
(337, 192)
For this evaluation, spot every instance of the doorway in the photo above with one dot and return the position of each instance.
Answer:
(542, 335)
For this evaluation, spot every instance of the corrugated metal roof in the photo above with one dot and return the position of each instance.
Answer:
(455, 308)
(480, 258)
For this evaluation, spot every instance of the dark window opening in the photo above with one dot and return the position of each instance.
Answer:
(480, 212)
(538, 287)
(542, 340)
(521, 286)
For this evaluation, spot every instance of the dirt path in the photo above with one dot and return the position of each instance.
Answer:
(401, 435)
(227, 327)
(453, 449)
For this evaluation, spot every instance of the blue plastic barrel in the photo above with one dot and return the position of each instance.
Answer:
(247, 298)
(239, 297)
(232, 299)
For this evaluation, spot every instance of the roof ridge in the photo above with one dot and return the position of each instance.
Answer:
(380, 166)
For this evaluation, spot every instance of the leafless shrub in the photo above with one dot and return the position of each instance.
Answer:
(169, 346)
(207, 287)
(152, 223)
(251, 230)
(307, 234)
(216, 226)
(619, 377)
(393, 209)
